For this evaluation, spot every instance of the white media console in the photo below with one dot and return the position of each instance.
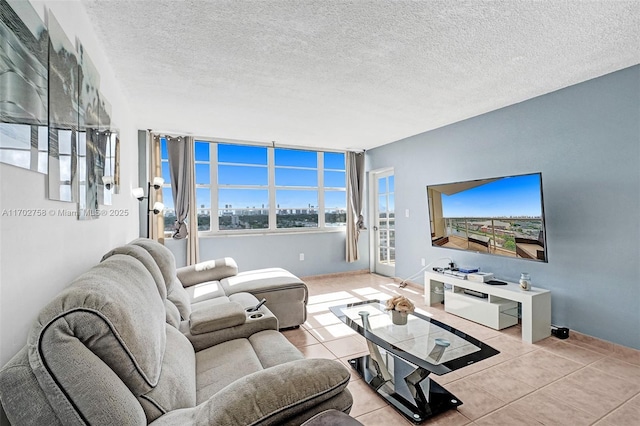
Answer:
(498, 310)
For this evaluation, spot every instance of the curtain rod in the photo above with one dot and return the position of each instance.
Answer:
(272, 144)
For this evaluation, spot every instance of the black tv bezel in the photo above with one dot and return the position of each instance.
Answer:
(542, 213)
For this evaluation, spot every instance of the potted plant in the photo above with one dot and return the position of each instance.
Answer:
(400, 307)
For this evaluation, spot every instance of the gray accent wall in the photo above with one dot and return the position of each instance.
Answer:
(324, 252)
(585, 140)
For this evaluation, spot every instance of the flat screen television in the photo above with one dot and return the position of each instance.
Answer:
(501, 216)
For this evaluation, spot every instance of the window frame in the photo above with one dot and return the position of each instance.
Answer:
(271, 187)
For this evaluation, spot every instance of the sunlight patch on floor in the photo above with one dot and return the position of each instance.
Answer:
(320, 307)
(336, 295)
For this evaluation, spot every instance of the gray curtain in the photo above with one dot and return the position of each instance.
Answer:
(355, 193)
(193, 242)
(156, 221)
(180, 182)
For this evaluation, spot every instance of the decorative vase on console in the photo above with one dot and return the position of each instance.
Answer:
(525, 281)
(400, 307)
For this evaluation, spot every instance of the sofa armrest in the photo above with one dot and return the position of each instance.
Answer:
(211, 270)
(268, 397)
(223, 315)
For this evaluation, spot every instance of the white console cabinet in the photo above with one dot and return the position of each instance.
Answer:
(498, 310)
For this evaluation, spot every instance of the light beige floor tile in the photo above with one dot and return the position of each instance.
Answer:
(590, 343)
(484, 364)
(448, 418)
(513, 331)
(476, 402)
(592, 391)
(317, 351)
(618, 368)
(365, 400)
(632, 356)
(383, 417)
(508, 416)
(504, 387)
(388, 416)
(570, 351)
(446, 378)
(538, 368)
(320, 319)
(346, 346)
(551, 411)
(510, 345)
(627, 414)
(332, 332)
(300, 337)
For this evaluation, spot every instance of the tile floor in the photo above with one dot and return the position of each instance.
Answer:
(578, 381)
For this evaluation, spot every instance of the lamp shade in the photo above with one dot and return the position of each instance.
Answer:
(158, 207)
(107, 181)
(138, 193)
(158, 182)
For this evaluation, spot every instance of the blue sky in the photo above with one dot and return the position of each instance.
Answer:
(506, 197)
(247, 165)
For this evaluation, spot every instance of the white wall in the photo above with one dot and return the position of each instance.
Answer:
(585, 140)
(41, 255)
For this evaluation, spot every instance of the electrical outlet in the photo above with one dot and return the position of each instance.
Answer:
(406, 213)
(301, 256)
(423, 261)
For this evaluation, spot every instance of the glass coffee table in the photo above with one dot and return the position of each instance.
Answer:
(401, 357)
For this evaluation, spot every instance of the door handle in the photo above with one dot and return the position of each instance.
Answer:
(375, 228)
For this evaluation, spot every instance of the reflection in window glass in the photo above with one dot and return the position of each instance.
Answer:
(16, 146)
(16, 157)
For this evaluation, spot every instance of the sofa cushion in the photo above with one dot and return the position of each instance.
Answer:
(22, 397)
(274, 395)
(167, 264)
(211, 270)
(102, 337)
(173, 314)
(261, 280)
(162, 255)
(178, 295)
(223, 316)
(147, 260)
(221, 365)
(177, 385)
(272, 348)
(205, 291)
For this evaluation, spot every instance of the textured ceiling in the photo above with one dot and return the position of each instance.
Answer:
(351, 74)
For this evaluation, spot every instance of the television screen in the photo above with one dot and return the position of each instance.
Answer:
(502, 216)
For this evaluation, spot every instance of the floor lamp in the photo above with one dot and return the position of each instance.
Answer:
(157, 206)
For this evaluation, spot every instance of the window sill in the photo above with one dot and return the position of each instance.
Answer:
(264, 233)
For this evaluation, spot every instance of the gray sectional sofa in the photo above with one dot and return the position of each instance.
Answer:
(113, 348)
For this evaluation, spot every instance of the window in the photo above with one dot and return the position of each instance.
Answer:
(245, 188)
(296, 185)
